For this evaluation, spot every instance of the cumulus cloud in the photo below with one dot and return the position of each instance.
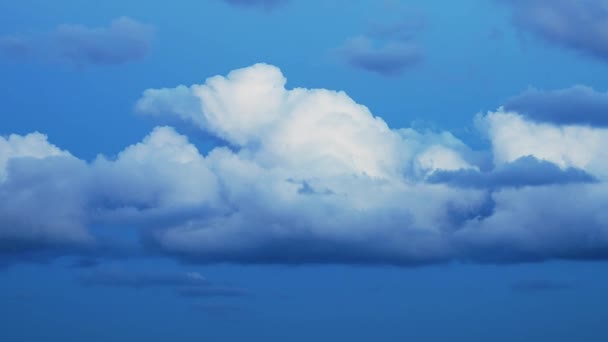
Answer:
(513, 136)
(41, 193)
(578, 105)
(311, 176)
(577, 25)
(124, 40)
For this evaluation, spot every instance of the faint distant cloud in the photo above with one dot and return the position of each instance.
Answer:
(539, 285)
(262, 4)
(184, 284)
(217, 309)
(496, 34)
(403, 30)
(387, 59)
(387, 48)
(14, 46)
(212, 291)
(579, 25)
(137, 280)
(124, 40)
(85, 263)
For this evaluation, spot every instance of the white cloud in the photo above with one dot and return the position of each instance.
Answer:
(34, 145)
(317, 131)
(41, 192)
(164, 170)
(513, 136)
(309, 175)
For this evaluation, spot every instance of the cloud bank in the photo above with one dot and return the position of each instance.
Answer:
(311, 176)
(124, 40)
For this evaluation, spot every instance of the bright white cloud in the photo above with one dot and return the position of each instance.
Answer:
(317, 131)
(513, 137)
(309, 175)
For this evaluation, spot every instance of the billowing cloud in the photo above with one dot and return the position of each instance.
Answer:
(311, 176)
(577, 25)
(580, 105)
(34, 174)
(124, 40)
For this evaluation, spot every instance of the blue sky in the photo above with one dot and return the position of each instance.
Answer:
(294, 170)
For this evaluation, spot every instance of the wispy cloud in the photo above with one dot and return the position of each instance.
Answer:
(577, 25)
(539, 286)
(184, 284)
(212, 291)
(124, 40)
(120, 278)
(387, 48)
(386, 59)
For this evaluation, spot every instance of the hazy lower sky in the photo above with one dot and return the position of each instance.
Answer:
(290, 170)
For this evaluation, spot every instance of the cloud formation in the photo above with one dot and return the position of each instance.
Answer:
(33, 175)
(578, 105)
(124, 40)
(311, 176)
(577, 25)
